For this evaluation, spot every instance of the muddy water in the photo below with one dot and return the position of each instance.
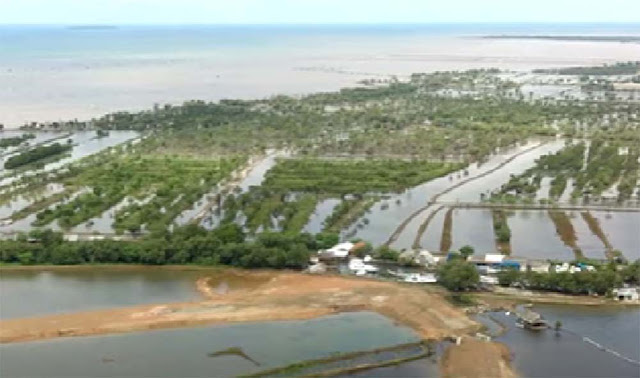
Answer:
(545, 354)
(474, 228)
(623, 231)
(431, 237)
(86, 144)
(32, 293)
(469, 192)
(184, 352)
(534, 235)
(588, 243)
(22, 201)
(322, 211)
(254, 177)
(383, 222)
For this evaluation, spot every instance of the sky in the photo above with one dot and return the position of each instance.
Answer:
(313, 11)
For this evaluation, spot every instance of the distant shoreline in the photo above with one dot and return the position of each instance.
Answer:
(575, 38)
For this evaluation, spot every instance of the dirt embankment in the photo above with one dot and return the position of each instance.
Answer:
(446, 239)
(242, 296)
(474, 358)
(238, 296)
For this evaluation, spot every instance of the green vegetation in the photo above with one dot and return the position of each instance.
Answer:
(625, 68)
(593, 170)
(15, 141)
(339, 177)
(458, 275)
(225, 245)
(502, 231)
(35, 155)
(600, 282)
(293, 188)
(171, 185)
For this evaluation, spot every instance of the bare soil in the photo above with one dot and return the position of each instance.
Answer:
(474, 358)
(252, 296)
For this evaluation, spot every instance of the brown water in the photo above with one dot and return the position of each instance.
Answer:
(42, 292)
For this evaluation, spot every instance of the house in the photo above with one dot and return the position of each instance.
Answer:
(422, 257)
(338, 251)
(420, 278)
(538, 266)
(626, 294)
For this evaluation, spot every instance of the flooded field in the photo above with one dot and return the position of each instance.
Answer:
(192, 351)
(534, 235)
(623, 231)
(474, 228)
(322, 211)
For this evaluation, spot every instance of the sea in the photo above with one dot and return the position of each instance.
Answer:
(50, 73)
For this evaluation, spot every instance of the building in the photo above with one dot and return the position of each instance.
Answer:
(626, 294)
(337, 252)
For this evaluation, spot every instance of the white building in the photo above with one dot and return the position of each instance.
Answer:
(338, 251)
(626, 294)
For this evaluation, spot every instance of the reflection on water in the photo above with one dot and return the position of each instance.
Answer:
(545, 354)
(32, 293)
(623, 231)
(184, 352)
(322, 211)
(474, 228)
(533, 234)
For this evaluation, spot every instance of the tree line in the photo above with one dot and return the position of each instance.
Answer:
(36, 154)
(226, 245)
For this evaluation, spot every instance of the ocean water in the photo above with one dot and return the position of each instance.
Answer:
(53, 72)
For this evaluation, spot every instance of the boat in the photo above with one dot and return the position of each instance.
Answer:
(358, 265)
(420, 278)
(530, 320)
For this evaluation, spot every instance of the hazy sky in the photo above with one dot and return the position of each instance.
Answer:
(313, 11)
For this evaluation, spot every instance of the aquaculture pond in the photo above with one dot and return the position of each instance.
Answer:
(622, 230)
(474, 228)
(382, 221)
(533, 235)
(593, 342)
(468, 186)
(26, 293)
(221, 351)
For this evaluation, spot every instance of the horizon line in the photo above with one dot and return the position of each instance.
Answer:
(399, 23)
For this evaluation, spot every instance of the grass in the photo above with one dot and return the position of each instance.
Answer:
(339, 177)
(502, 231)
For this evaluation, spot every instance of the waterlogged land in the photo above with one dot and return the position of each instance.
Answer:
(388, 156)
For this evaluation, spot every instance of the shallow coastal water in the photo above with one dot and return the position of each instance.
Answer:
(85, 73)
(185, 352)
